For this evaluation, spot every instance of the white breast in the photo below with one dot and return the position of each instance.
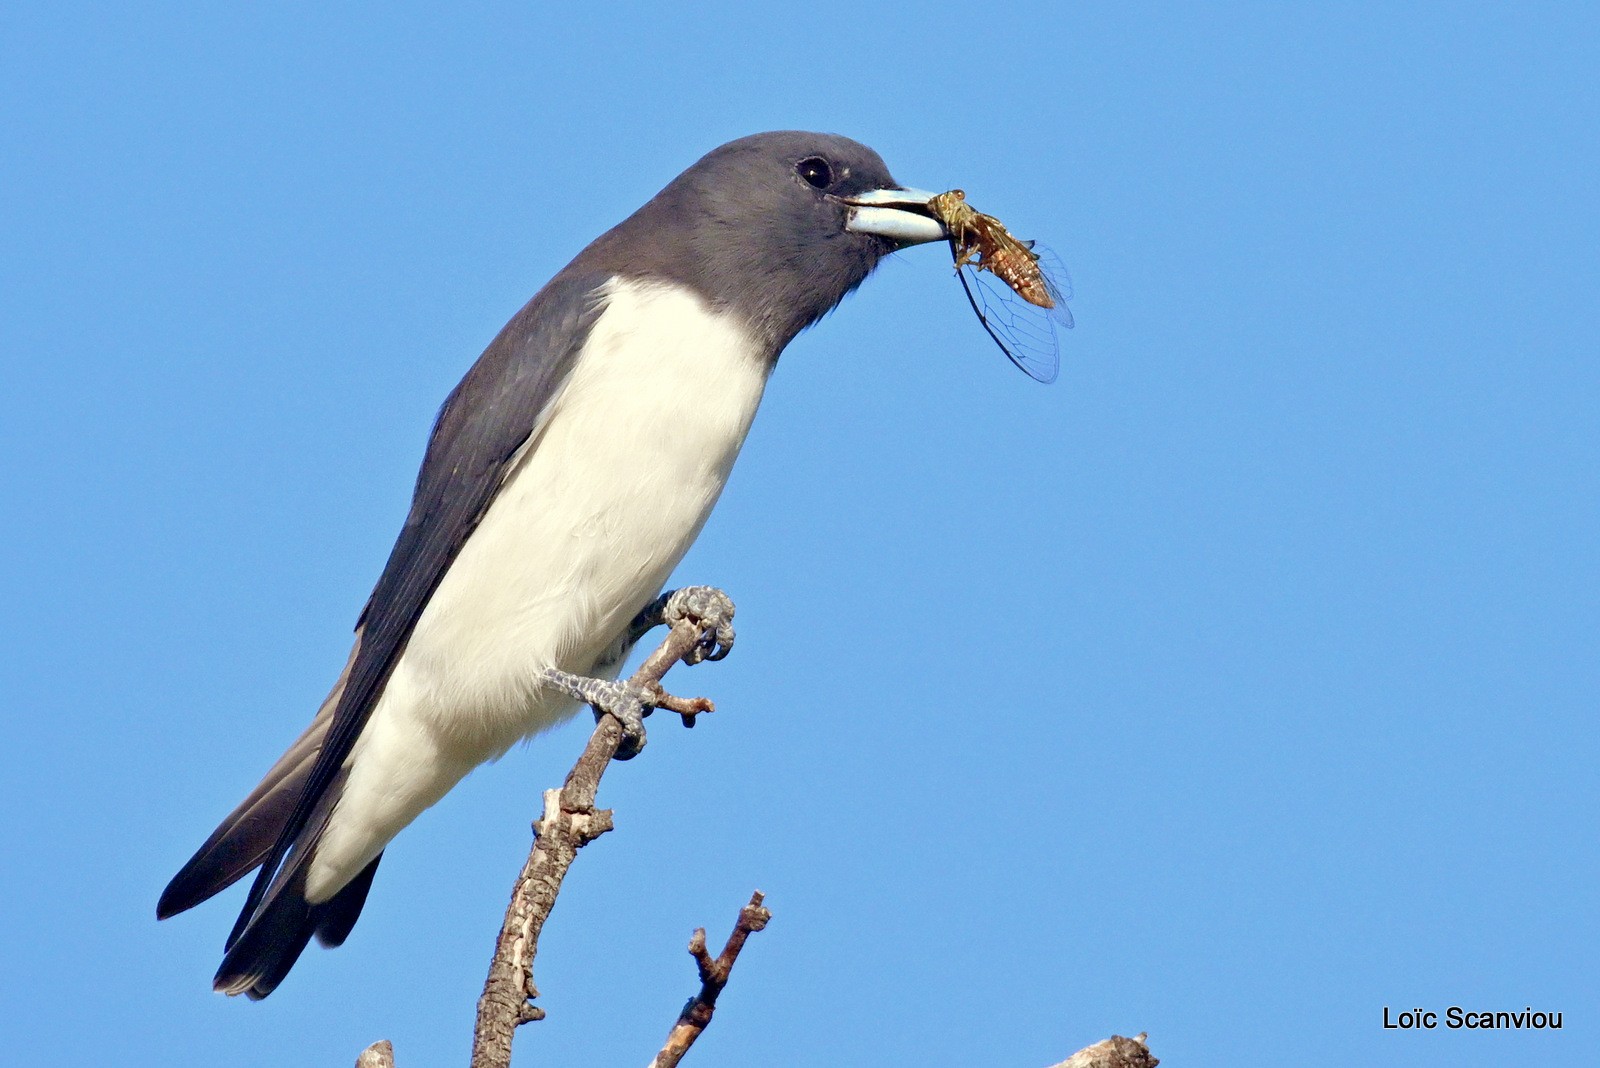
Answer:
(584, 533)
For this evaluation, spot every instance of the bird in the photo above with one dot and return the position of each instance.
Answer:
(564, 479)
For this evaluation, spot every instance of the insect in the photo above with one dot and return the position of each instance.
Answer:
(1025, 328)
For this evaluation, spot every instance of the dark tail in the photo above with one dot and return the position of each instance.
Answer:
(241, 841)
(283, 926)
(271, 938)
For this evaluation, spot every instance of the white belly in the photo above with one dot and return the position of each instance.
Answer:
(585, 532)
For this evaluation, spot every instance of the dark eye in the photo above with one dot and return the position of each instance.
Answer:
(815, 170)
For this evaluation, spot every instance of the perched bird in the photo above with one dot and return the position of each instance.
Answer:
(566, 476)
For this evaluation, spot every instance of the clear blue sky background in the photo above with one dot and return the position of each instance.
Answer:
(1238, 685)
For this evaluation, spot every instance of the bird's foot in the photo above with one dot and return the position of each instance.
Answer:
(710, 611)
(705, 606)
(626, 700)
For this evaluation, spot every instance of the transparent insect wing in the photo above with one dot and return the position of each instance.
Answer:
(1026, 333)
(1057, 282)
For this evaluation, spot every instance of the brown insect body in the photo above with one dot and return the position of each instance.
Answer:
(983, 242)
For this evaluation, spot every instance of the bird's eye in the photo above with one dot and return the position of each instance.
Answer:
(815, 170)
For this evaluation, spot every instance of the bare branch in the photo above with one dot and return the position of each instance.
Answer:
(1114, 1052)
(569, 822)
(696, 1015)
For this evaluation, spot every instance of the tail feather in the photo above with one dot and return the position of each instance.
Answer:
(266, 943)
(340, 912)
(264, 952)
(282, 928)
(268, 939)
(242, 840)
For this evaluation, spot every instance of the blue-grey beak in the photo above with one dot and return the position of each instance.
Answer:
(901, 215)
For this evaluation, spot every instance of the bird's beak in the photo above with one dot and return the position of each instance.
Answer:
(901, 215)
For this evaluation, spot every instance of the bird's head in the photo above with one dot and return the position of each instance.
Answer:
(777, 227)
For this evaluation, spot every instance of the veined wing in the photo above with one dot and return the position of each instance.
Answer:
(1028, 334)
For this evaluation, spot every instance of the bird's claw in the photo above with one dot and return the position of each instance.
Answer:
(712, 611)
(630, 705)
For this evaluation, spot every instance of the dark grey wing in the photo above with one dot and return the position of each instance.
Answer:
(497, 407)
(242, 840)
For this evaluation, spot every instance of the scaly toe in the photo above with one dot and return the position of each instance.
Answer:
(624, 700)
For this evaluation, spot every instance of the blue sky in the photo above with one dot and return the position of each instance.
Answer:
(1232, 688)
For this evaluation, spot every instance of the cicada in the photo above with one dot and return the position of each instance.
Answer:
(1025, 328)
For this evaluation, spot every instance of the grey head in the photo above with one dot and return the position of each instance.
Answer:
(776, 228)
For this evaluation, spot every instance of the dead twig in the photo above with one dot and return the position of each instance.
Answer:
(713, 977)
(378, 1055)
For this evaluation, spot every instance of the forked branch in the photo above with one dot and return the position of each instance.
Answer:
(713, 977)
